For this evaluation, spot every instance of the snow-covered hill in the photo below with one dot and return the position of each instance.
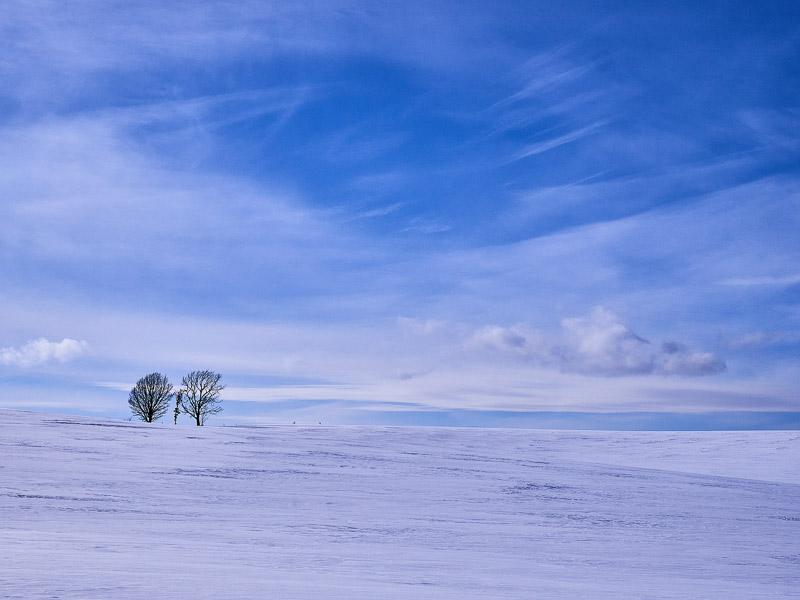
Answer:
(93, 508)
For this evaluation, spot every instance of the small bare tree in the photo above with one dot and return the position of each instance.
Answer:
(199, 396)
(150, 397)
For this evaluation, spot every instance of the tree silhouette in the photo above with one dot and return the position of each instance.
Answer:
(150, 397)
(199, 396)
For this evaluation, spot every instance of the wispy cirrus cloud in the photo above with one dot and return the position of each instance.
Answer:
(40, 351)
(78, 194)
(559, 140)
(760, 339)
(766, 280)
(46, 45)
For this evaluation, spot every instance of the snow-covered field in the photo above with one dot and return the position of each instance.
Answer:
(94, 508)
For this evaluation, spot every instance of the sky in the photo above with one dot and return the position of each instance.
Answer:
(517, 214)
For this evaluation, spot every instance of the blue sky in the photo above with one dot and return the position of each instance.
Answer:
(460, 213)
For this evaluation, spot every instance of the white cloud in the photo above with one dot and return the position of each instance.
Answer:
(39, 351)
(600, 345)
(518, 340)
(597, 344)
(752, 339)
(677, 359)
(507, 339)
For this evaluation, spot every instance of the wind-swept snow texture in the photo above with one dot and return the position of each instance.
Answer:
(105, 509)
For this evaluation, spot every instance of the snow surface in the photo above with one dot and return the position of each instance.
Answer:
(94, 508)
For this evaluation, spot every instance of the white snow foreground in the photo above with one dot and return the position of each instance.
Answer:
(94, 508)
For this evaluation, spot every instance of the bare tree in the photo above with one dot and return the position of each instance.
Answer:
(150, 397)
(199, 396)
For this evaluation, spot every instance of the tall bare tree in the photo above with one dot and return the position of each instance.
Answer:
(199, 395)
(150, 397)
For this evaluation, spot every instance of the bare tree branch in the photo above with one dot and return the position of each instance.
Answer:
(199, 396)
(150, 397)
